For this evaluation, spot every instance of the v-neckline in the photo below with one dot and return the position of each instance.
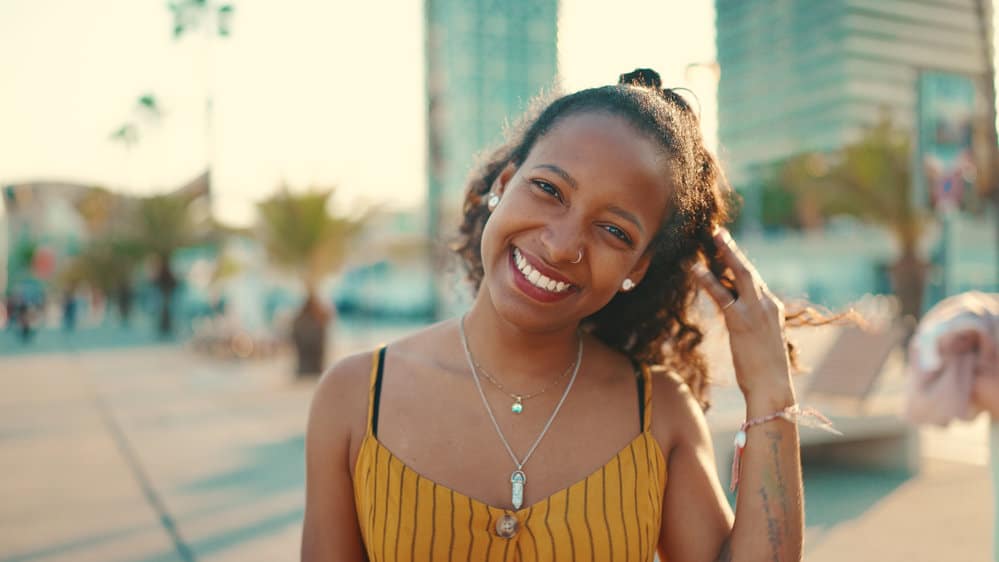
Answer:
(645, 434)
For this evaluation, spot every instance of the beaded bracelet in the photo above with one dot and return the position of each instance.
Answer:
(809, 417)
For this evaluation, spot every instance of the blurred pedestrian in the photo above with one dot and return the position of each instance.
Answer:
(70, 305)
(954, 371)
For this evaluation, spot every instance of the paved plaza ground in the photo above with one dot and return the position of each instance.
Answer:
(158, 454)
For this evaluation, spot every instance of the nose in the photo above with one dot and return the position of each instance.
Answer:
(562, 239)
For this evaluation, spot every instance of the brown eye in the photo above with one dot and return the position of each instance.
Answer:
(548, 188)
(618, 233)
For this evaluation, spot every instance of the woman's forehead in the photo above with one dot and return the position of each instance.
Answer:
(605, 151)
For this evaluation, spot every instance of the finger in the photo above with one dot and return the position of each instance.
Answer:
(747, 280)
(707, 280)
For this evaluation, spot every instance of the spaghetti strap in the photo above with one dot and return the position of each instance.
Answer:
(375, 389)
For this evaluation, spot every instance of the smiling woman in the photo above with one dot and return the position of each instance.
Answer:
(587, 237)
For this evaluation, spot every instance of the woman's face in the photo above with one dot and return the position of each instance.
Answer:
(592, 183)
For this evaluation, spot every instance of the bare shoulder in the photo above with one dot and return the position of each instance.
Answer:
(677, 416)
(339, 402)
(431, 347)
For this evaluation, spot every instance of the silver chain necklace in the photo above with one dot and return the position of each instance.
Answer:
(518, 479)
(519, 399)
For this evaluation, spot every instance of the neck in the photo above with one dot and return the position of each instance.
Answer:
(515, 353)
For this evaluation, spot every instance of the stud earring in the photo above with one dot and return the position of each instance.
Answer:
(493, 201)
(628, 284)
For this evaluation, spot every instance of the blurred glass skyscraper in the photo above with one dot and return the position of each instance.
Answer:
(485, 60)
(806, 75)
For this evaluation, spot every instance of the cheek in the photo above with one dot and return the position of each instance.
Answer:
(492, 236)
(507, 217)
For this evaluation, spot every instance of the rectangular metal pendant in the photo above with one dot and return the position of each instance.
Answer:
(517, 481)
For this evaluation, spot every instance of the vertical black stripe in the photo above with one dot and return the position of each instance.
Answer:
(378, 392)
(520, 555)
(388, 483)
(586, 516)
(489, 533)
(450, 544)
(471, 531)
(534, 540)
(638, 519)
(433, 519)
(603, 509)
(371, 486)
(551, 538)
(398, 518)
(364, 503)
(652, 485)
(506, 547)
(416, 513)
(620, 495)
(568, 527)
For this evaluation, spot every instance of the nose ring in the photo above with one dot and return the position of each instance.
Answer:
(578, 258)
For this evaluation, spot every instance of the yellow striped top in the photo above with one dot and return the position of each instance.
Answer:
(611, 515)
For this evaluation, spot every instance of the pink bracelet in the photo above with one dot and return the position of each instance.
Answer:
(795, 414)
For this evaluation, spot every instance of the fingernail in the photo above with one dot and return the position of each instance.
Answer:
(699, 268)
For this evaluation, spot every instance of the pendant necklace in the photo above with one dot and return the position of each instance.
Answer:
(518, 478)
(519, 399)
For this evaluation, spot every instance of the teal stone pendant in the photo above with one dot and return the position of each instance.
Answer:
(517, 406)
(517, 481)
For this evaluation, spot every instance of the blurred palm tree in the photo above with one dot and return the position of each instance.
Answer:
(871, 179)
(109, 259)
(163, 224)
(127, 135)
(301, 235)
(189, 15)
(106, 264)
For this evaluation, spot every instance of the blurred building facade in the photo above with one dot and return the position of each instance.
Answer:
(485, 61)
(43, 229)
(810, 75)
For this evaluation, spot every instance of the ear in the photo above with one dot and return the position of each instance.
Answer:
(499, 184)
(637, 273)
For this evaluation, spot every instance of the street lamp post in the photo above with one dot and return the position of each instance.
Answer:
(215, 20)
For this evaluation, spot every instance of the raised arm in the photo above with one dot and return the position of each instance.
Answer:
(330, 532)
(769, 514)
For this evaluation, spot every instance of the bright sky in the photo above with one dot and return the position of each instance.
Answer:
(305, 91)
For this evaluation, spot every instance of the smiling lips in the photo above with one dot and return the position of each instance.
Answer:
(537, 279)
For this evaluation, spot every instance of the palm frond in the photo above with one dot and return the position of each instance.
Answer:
(303, 236)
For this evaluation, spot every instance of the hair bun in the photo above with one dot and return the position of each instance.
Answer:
(641, 77)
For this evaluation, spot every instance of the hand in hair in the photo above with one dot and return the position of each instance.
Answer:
(755, 321)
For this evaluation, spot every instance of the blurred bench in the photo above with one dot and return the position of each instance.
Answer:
(845, 387)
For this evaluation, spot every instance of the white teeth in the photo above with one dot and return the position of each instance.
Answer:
(535, 276)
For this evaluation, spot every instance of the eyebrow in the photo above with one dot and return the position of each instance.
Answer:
(630, 217)
(561, 173)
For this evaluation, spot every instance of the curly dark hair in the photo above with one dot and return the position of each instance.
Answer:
(652, 324)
